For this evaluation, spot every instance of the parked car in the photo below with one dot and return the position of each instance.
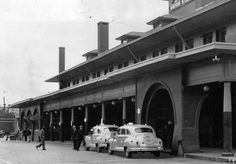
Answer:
(133, 138)
(99, 136)
(2, 133)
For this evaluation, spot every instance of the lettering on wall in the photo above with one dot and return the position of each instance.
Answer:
(174, 4)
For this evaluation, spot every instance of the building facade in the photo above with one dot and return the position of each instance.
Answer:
(178, 77)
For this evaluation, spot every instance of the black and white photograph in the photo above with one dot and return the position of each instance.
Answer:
(117, 81)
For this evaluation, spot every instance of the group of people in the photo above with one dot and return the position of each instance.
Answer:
(77, 137)
(26, 133)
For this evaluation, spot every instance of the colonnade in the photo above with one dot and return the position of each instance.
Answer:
(86, 117)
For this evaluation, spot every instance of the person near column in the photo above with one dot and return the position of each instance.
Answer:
(25, 134)
(75, 138)
(42, 138)
(80, 135)
(28, 133)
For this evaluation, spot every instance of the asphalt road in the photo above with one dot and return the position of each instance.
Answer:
(20, 152)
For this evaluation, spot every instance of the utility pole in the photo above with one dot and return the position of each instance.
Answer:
(4, 103)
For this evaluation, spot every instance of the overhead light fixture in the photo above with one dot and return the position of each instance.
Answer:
(206, 88)
(132, 99)
(79, 108)
(113, 103)
(216, 59)
(55, 111)
(94, 105)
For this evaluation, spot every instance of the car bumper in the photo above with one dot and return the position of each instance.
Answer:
(102, 144)
(146, 149)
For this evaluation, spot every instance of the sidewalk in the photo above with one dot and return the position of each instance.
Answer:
(212, 155)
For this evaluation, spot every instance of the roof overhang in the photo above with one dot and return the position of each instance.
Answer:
(206, 17)
(160, 63)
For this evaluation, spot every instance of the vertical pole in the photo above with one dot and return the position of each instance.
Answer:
(72, 117)
(124, 112)
(51, 126)
(103, 113)
(61, 126)
(86, 119)
(227, 120)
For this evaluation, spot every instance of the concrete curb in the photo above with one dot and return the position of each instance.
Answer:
(210, 158)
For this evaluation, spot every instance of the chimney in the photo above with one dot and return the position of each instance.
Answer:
(103, 44)
(61, 59)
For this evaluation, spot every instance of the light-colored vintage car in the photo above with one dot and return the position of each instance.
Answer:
(133, 138)
(99, 136)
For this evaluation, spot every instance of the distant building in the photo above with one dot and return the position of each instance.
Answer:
(180, 74)
(7, 121)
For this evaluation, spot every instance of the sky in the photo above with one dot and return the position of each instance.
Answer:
(31, 32)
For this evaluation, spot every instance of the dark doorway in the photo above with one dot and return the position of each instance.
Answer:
(114, 112)
(66, 131)
(211, 120)
(161, 116)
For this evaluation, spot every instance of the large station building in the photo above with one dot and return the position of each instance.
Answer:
(183, 71)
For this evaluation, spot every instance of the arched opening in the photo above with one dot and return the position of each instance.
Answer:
(36, 118)
(23, 123)
(211, 119)
(28, 117)
(158, 112)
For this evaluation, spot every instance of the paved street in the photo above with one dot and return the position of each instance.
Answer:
(20, 152)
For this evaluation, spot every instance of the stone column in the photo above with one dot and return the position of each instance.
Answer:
(103, 113)
(86, 120)
(124, 112)
(61, 127)
(51, 126)
(227, 120)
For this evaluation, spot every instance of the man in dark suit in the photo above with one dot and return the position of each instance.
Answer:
(80, 136)
(75, 138)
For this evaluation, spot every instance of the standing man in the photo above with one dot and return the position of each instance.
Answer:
(75, 137)
(42, 138)
(80, 135)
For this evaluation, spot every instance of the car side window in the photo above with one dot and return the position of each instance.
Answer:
(119, 131)
(127, 131)
(99, 131)
(123, 131)
(95, 131)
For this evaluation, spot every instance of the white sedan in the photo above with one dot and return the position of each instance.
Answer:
(99, 136)
(132, 138)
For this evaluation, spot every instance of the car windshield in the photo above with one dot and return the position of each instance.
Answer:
(112, 129)
(109, 130)
(143, 130)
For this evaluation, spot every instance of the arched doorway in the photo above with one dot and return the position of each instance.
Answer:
(158, 112)
(23, 123)
(211, 119)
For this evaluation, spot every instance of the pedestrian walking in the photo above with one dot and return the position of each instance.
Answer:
(42, 139)
(75, 138)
